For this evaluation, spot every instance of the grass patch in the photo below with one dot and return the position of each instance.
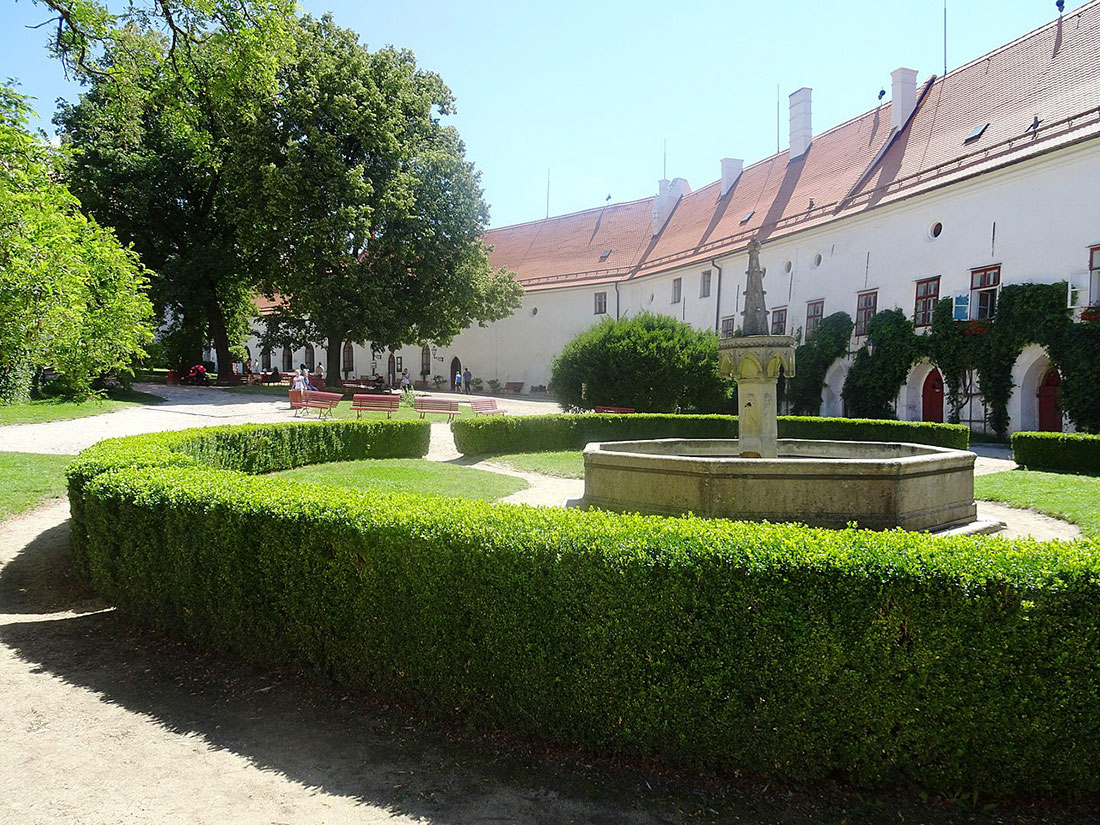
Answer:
(410, 475)
(53, 409)
(29, 478)
(559, 463)
(1071, 497)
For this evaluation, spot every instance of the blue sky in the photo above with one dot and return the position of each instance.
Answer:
(594, 91)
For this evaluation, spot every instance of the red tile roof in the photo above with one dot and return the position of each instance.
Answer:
(1052, 72)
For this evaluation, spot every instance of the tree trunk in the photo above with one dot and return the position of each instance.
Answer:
(221, 344)
(334, 356)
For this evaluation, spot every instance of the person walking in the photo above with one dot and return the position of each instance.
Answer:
(458, 382)
(467, 377)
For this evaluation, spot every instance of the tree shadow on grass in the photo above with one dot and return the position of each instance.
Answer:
(348, 743)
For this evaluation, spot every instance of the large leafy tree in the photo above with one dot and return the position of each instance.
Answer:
(362, 204)
(154, 137)
(71, 296)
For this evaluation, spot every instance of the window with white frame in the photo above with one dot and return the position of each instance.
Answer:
(866, 306)
(984, 285)
(928, 292)
(704, 284)
(729, 326)
(779, 321)
(599, 306)
(677, 289)
(815, 311)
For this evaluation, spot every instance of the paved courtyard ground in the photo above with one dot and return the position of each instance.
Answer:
(102, 722)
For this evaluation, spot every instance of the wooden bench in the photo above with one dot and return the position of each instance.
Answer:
(436, 405)
(485, 406)
(323, 402)
(373, 402)
(615, 410)
(513, 387)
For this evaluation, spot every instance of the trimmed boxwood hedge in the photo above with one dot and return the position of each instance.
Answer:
(534, 433)
(960, 665)
(1065, 452)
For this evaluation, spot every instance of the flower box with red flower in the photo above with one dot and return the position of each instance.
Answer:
(1090, 314)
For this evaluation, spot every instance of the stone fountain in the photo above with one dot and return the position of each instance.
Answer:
(759, 476)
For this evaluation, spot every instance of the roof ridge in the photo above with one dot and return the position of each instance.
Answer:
(574, 214)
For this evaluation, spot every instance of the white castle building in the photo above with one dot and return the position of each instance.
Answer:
(959, 185)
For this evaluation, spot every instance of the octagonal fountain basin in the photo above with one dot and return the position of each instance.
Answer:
(820, 483)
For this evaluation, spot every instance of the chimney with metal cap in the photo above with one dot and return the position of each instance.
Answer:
(802, 127)
(904, 96)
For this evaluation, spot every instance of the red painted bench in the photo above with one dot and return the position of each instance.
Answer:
(485, 406)
(615, 410)
(372, 402)
(513, 387)
(306, 400)
(436, 405)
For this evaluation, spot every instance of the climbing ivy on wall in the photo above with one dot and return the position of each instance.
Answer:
(874, 380)
(956, 348)
(812, 359)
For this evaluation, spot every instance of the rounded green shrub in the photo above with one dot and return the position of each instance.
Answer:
(651, 363)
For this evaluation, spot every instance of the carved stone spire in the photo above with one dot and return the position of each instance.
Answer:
(755, 314)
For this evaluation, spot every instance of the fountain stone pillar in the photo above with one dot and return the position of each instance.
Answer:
(754, 359)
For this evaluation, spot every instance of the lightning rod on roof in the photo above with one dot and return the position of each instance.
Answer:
(664, 160)
(945, 37)
(548, 191)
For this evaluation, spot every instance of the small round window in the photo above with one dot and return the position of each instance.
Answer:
(787, 267)
(935, 230)
(651, 297)
(816, 261)
(534, 310)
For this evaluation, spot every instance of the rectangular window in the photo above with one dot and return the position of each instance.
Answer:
(704, 284)
(866, 306)
(677, 289)
(399, 365)
(815, 311)
(729, 326)
(600, 307)
(1094, 276)
(779, 321)
(928, 292)
(984, 285)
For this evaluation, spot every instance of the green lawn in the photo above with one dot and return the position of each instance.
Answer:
(29, 478)
(563, 464)
(1070, 497)
(410, 475)
(52, 409)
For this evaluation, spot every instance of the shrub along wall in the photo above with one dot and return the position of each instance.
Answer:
(1065, 452)
(959, 665)
(532, 433)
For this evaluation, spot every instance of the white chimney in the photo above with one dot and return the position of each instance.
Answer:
(802, 127)
(668, 195)
(731, 171)
(903, 98)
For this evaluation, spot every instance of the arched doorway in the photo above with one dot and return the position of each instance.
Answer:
(288, 360)
(310, 360)
(1050, 408)
(932, 397)
(456, 368)
(391, 370)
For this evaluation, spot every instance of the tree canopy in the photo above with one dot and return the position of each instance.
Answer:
(362, 204)
(154, 142)
(71, 296)
(652, 363)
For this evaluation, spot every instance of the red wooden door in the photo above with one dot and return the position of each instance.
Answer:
(932, 398)
(1050, 410)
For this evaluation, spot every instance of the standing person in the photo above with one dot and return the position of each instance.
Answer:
(406, 382)
(467, 377)
(458, 382)
(305, 378)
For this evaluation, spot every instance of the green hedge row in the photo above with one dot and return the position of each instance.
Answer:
(1065, 452)
(960, 665)
(526, 434)
(249, 448)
